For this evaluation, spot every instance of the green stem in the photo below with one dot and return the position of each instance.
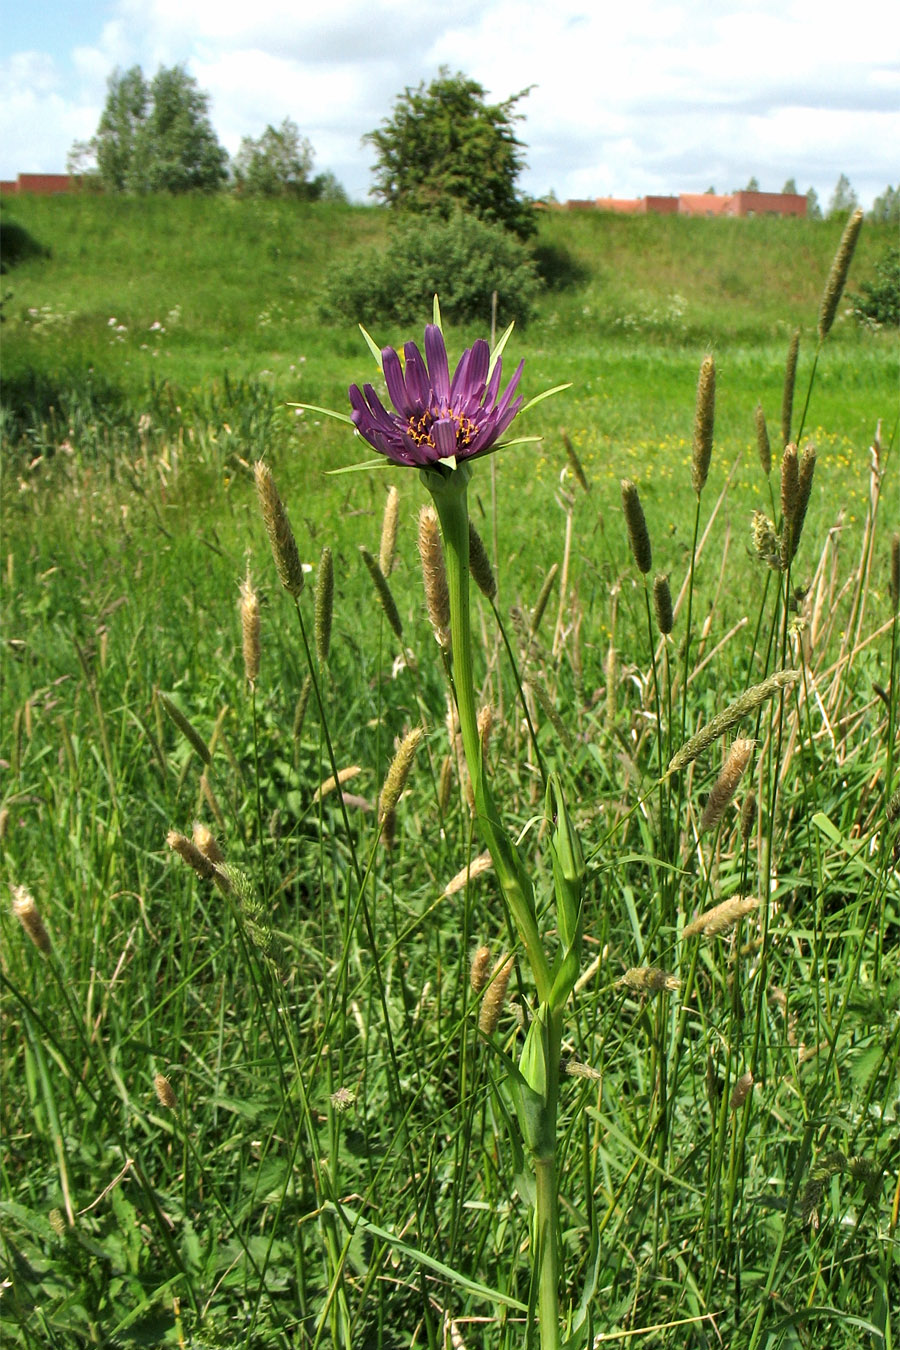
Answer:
(449, 493)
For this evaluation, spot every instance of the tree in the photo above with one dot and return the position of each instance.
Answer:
(444, 147)
(813, 209)
(843, 199)
(790, 187)
(276, 165)
(886, 208)
(753, 185)
(155, 137)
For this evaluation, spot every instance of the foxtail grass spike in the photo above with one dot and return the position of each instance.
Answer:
(763, 447)
(186, 727)
(388, 548)
(324, 610)
(805, 471)
(434, 576)
(574, 462)
(748, 702)
(837, 277)
(207, 843)
(726, 785)
(388, 604)
(398, 773)
(278, 528)
(636, 525)
(787, 393)
(722, 917)
(649, 980)
(29, 916)
(742, 1089)
(445, 784)
(250, 629)
(748, 816)
(188, 852)
(480, 565)
(704, 422)
(541, 604)
(495, 996)
(478, 970)
(662, 605)
(483, 863)
(164, 1092)
(766, 543)
(329, 784)
(790, 495)
(892, 810)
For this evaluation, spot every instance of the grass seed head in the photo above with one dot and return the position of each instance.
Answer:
(434, 576)
(188, 852)
(748, 702)
(398, 773)
(742, 1089)
(28, 914)
(636, 525)
(541, 603)
(483, 863)
(662, 605)
(207, 843)
(721, 917)
(704, 422)
(278, 528)
(766, 544)
(649, 980)
(837, 277)
(250, 629)
(495, 996)
(763, 447)
(726, 784)
(324, 609)
(748, 816)
(383, 590)
(164, 1092)
(480, 565)
(478, 970)
(787, 393)
(388, 548)
(574, 462)
(445, 784)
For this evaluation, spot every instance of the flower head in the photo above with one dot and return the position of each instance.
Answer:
(436, 419)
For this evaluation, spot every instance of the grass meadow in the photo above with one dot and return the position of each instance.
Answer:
(264, 1114)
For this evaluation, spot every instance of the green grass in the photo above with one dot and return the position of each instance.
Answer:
(232, 1219)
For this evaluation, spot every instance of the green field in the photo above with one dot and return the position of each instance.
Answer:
(337, 1166)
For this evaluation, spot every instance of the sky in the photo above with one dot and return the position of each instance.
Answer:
(629, 98)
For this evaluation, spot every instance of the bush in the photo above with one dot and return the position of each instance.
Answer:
(463, 260)
(878, 305)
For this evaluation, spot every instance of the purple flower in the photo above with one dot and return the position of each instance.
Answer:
(436, 418)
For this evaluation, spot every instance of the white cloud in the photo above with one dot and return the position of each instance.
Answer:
(651, 96)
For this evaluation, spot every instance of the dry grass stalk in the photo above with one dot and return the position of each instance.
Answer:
(329, 784)
(721, 917)
(480, 565)
(742, 1089)
(543, 597)
(704, 421)
(649, 980)
(611, 671)
(434, 576)
(278, 528)
(383, 590)
(28, 914)
(324, 608)
(662, 605)
(636, 525)
(726, 785)
(398, 773)
(748, 702)
(164, 1092)
(207, 843)
(495, 996)
(478, 970)
(790, 379)
(837, 277)
(388, 547)
(473, 869)
(574, 462)
(250, 629)
(763, 447)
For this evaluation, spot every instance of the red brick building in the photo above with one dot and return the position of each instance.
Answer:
(701, 204)
(41, 184)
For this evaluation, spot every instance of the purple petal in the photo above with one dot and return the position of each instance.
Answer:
(393, 377)
(438, 368)
(510, 390)
(418, 385)
(443, 434)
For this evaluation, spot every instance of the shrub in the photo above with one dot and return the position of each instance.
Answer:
(463, 260)
(878, 304)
